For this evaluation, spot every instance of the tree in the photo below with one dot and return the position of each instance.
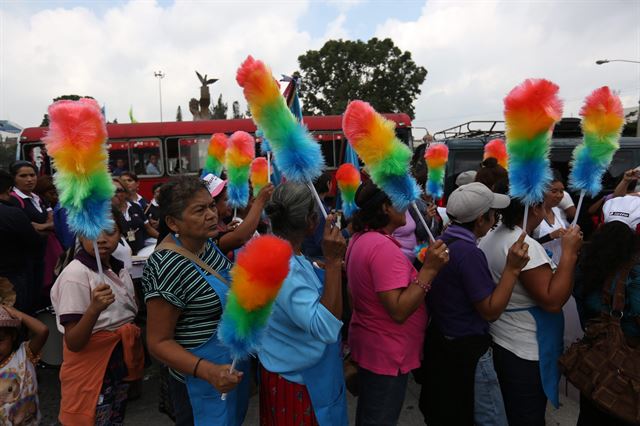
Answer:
(235, 108)
(179, 114)
(219, 110)
(376, 71)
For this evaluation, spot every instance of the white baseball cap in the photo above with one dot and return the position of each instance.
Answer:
(465, 178)
(472, 200)
(623, 209)
(215, 185)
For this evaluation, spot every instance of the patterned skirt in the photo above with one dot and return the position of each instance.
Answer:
(284, 403)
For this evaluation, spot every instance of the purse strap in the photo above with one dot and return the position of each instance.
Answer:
(168, 244)
(617, 301)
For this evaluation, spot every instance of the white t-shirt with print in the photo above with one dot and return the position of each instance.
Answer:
(19, 389)
(545, 228)
(566, 202)
(514, 331)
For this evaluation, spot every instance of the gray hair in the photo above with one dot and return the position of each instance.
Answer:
(176, 193)
(290, 208)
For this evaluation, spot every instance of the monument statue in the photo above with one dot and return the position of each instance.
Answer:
(200, 109)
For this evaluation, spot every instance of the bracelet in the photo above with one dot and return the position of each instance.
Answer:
(426, 287)
(195, 369)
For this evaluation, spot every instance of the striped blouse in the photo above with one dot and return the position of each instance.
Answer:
(174, 278)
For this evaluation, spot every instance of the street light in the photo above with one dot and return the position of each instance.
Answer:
(606, 61)
(160, 75)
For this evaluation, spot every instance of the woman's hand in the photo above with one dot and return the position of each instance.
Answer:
(13, 312)
(333, 243)
(436, 257)
(432, 210)
(518, 255)
(572, 240)
(219, 376)
(558, 233)
(101, 297)
(265, 194)
(630, 175)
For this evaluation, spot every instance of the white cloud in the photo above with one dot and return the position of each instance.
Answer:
(477, 51)
(112, 56)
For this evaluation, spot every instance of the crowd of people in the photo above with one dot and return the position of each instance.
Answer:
(479, 321)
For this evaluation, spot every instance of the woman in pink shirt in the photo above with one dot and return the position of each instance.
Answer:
(389, 314)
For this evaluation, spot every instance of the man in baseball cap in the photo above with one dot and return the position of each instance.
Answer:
(623, 209)
(463, 300)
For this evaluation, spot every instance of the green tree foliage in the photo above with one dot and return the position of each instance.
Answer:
(219, 110)
(343, 70)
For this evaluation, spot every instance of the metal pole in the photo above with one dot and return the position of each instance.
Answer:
(160, 75)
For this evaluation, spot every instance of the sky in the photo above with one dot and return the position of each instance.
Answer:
(474, 51)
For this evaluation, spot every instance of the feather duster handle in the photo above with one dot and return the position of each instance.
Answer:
(602, 121)
(530, 111)
(386, 158)
(240, 154)
(348, 179)
(258, 175)
(216, 154)
(497, 149)
(436, 157)
(296, 154)
(256, 277)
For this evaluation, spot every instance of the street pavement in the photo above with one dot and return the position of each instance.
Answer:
(144, 411)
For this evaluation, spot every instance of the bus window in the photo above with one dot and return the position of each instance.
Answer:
(36, 153)
(186, 154)
(119, 161)
(146, 157)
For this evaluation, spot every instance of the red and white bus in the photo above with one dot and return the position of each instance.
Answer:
(181, 146)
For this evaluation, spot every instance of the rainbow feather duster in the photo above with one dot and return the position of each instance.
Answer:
(421, 251)
(386, 158)
(240, 153)
(348, 179)
(602, 121)
(258, 174)
(497, 149)
(530, 112)
(76, 141)
(216, 154)
(265, 147)
(256, 277)
(296, 154)
(436, 157)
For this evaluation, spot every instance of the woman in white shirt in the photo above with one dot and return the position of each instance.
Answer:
(553, 226)
(528, 336)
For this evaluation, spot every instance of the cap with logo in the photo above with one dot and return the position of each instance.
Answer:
(623, 209)
(215, 185)
(472, 200)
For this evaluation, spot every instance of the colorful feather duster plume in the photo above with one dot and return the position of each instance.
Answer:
(386, 158)
(256, 278)
(436, 157)
(240, 153)
(258, 174)
(265, 147)
(76, 141)
(348, 179)
(497, 149)
(296, 154)
(421, 251)
(602, 121)
(216, 154)
(530, 112)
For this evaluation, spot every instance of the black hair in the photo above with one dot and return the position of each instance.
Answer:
(119, 219)
(419, 165)
(322, 183)
(156, 186)
(370, 199)
(513, 214)
(6, 181)
(470, 225)
(174, 198)
(17, 165)
(14, 333)
(556, 176)
(612, 246)
(491, 173)
(43, 185)
(132, 175)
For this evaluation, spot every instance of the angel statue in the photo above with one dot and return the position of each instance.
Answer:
(200, 109)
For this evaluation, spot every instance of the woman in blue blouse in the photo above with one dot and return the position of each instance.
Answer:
(612, 247)
(301, 364)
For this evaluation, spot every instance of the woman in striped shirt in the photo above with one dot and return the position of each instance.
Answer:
(185, 286)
